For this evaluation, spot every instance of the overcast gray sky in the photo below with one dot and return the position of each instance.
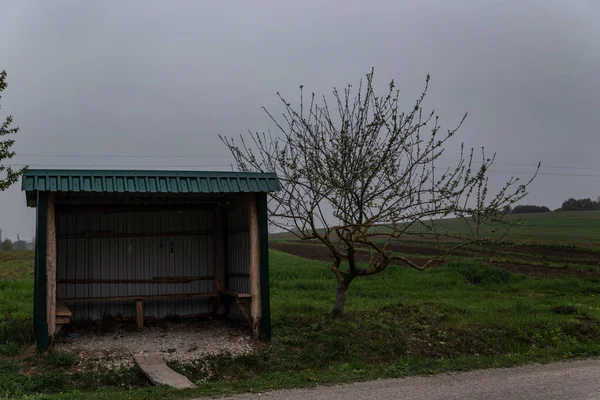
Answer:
(148, 78)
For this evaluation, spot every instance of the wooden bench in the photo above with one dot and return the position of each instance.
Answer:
(139, 304)
(243, 301)
(63, 315)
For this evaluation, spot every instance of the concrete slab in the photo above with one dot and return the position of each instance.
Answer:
(154, 367)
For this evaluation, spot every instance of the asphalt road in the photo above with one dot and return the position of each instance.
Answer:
(577, 380)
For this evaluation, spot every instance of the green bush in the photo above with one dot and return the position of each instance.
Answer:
(51, 382)
(13, 383)
(123, 377)
(479, 273)
(10, 349)
(17, 331)
(7, 366)
(61, 359)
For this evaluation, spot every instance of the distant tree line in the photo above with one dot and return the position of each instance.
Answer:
(580, 205)
(19, 244)
(568, 205)
(526, 209)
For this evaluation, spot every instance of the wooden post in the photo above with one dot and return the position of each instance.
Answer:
(255, 305)
(220, 267)
(40, 307)
(265, 296)
(51, 268)
(139, 313)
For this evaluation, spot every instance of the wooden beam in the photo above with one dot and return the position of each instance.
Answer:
(112, 208)
(150, 297)
(110, 235)
(237, 295)
(159, 279)
(220, 267)
(139, 313)
(255, 305)
(51, 267)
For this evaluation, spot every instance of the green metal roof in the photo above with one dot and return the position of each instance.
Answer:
(123, 181)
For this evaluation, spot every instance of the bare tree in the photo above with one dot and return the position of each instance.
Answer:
(361, 173)
(10, 175)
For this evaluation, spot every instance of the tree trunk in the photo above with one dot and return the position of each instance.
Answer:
(340, 298)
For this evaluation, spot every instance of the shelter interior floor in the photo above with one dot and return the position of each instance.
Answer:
(114, 344)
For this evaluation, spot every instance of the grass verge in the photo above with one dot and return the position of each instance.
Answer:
(399, 323)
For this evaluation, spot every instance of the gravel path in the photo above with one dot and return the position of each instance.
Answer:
(577, 380)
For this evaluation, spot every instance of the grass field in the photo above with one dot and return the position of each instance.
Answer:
(16, 299)
(544, 244)
(402, 322)
(578, 228)
(575, 228)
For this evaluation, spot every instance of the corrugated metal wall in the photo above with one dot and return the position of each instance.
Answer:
(133, 246)
(238, 253)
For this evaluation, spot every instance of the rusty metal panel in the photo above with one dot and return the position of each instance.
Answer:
(135, 246)
(238, 253)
